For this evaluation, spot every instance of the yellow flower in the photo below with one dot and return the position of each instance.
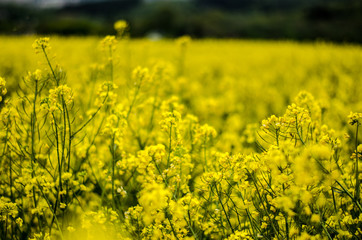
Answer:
(355, 118)
(154, 198)
(41, 44)
(120, 26)
(71, 229)
(315, 218)
(3, 90)
(62, 205)
(109, 42)
(19, 221)
(66, 176)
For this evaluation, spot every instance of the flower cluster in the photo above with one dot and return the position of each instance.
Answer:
(355, 118)
(109, 42)
(121, 27)
(41, 44)
(3, 90)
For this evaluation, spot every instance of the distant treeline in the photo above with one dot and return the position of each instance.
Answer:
(330, 20)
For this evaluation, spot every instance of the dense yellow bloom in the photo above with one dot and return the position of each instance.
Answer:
(154, 198)
(204, 134)
(178, 148)
(170, 119)
(63, 92)
(157, 152)
(7, 209)
(239, 235)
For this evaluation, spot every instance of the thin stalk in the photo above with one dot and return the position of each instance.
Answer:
(50, 66)
(325, 229)
(248, 214)
(172, 227)
(133, 100)
(58, 157)
(111, 63)
(11, 169)
(150, 125)
(296, 128)
(286, 226)
(169, 147)
(113, 165)
(104, 100)
(32, 156)
(350, 195)
(11, 180)
(205, 159)
(57, 138)
(189, 224)
(357, 187)
(91, 118)
(223, 208)
(334, 201)
(265, 209)
(51, 209)
(64, 133)
(70, 139)
(159, 171)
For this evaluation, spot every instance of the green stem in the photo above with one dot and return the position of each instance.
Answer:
(32, 157)
(50, 66)
(296, 127)
(172, 227)
(51, 209)
(325, 229)
(113, 149)
(357, 187)
(286, 226)
(169, 147)
(262, 202)
(223, 208)
(205, 158)
(111, 63)
(350, 195)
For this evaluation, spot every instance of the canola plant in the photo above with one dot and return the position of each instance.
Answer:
(134, 139)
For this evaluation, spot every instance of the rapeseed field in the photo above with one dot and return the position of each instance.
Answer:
(120, 138)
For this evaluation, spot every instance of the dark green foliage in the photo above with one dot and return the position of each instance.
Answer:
(333, 20)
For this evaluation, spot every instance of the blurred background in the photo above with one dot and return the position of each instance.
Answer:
(326, 20)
